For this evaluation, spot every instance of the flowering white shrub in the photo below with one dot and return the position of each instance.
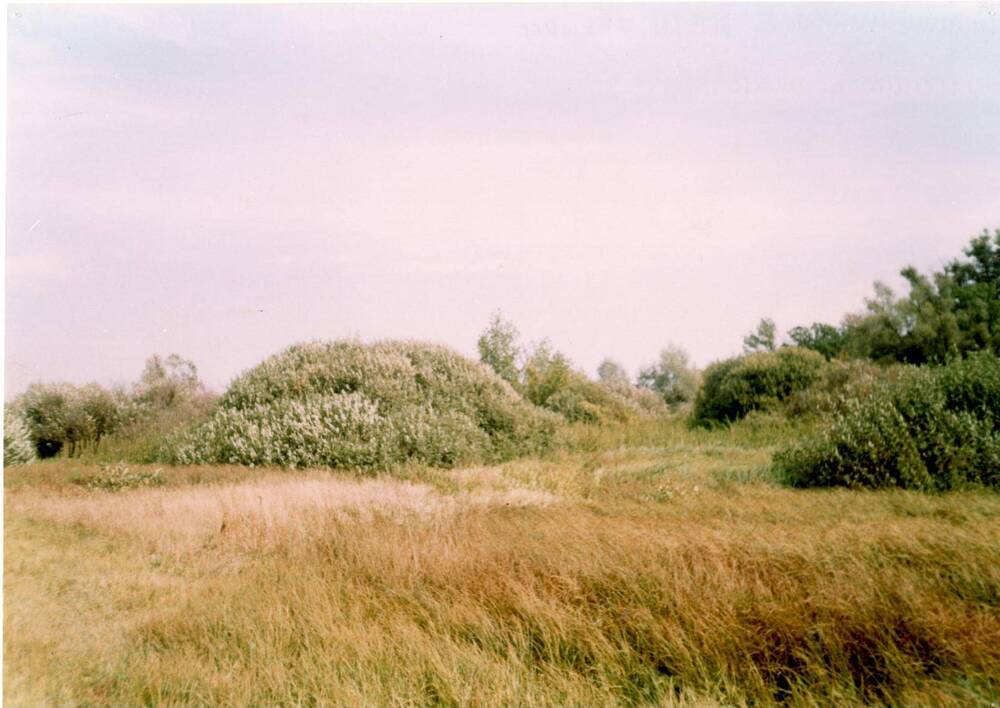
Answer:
(348, 404)
(17, 446)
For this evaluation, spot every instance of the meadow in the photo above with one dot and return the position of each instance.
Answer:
(390, 523)
(639, 563)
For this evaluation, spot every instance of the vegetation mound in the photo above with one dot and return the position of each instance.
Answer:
(928, 428)
(734, 387)
(348, 404)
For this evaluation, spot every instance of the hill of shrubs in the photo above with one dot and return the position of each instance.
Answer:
(905, 394)
(350, 404)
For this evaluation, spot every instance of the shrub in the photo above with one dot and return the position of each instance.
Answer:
(841, 381)
(929, 428)
(55, 417)
(734, 387)
(17, 446)
(549, 381)
(347, 404)
(114, 478)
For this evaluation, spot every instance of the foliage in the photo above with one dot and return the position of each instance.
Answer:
(549, 381)
(612, 374)
(165, 382)
(114, 478)
(546, 373)
(56, 417)
(841, 381)
(930, 428)
(18, 448)
(347, 404)
(498, 349)
(672, 377)
(762, 339)
(146, 433)
(820, 337)
(66, 419)
(733, 387)
(944, 315)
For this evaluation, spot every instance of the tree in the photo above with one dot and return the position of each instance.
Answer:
(820, 337)
(974, 292)
(498, 349)
(671, 376)
(612, 374)
(167, 382)
(762, 339)
(546, 372)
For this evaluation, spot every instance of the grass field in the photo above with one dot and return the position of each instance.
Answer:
(640, 565)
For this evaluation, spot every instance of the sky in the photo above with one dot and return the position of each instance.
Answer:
(224, 181)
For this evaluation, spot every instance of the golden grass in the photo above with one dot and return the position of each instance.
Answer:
(665, 571)
(275, 509)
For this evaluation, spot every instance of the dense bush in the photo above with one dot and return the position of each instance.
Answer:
(17, 446)
(348, 404)
(548, 380)
(840, 382)
(62, 418)
(929, 428)
(734, 387)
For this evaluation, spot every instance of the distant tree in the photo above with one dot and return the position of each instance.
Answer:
(878, 332)
(613, 374)
(820, 337)
(167, 382)
(672, 376)
(947, 314)
(546, 372)
(762, 339)
(931, 332)
(973, 289)
(498, 349)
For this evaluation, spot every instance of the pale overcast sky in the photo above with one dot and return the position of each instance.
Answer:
(223, 181)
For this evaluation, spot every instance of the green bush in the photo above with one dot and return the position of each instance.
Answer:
(347, 404)
(549, 381)
(57, 418)
(17, 446)
(841, 381)
(929, 428)
(65, 419)
(732, 388)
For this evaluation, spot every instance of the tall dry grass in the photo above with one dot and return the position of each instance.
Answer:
(664, 574)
